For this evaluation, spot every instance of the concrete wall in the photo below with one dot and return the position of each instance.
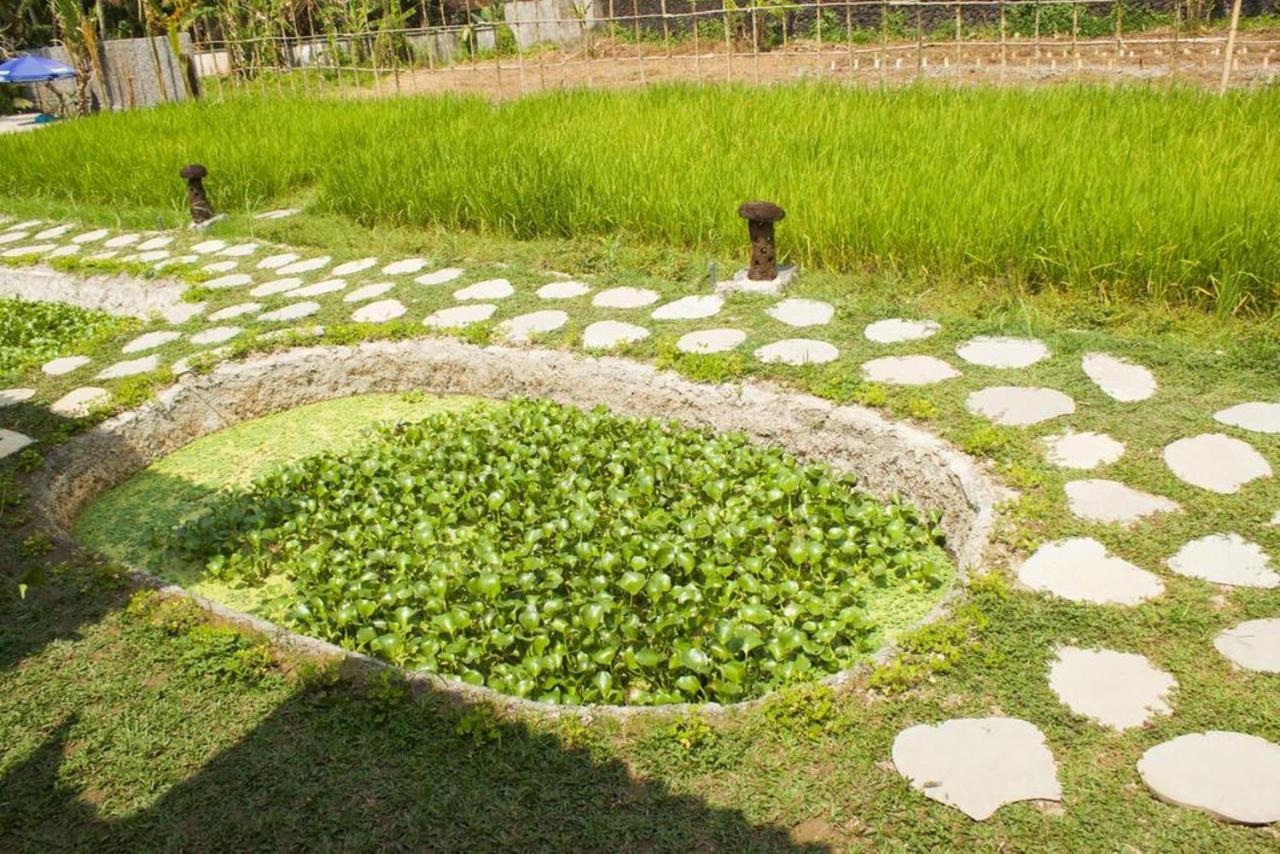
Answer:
(130, 74)
(550, 21)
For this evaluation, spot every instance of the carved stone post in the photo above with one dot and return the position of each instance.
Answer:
(201, 210)
(760, 217)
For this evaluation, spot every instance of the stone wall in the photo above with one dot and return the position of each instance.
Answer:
(134, 76)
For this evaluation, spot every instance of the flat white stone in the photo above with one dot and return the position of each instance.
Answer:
(486, 290)
(276, 214)
(368, 292)
(1119, 690)
(689, 308)
(624, 298)
(91, 236)
(176, 261)
(740, 283)
(12, 237)
(1230, 775)
(275, 262)
(290, 312)
(65, 365)
(607, 334)
(183, 311)
(1018, 406)
(276, 286)
(563, 290)
(11, 442)
(27, 223)
(64, 251)
(10, 396)
(50, 233)
(328, 286)
(710, 340)
(240, 250)
(33, 249)
(1118, 379)
(460, 315)
(208, 247)
(215, 335)
(306, 266)
(149, 257)
(379, 312)
(407, 265)
(1275, 519)
(122, 240)
(895, 330)
(1216, 462)
(908, 370)
(111, 253)
(440, 277)
(521, 329)
(1256, 416)
(238, 310)
(802, 312)
(155, 243)
(1253, 645)
(346, 268)
(150, 341)
(221, 266)
(1000, 352)
(797, 351)
(1082, 450)
(231, 280)
(978, 765)
(129, 368)
(1080, 570)
(80, 402)
(1225, 559)
(1109, 501)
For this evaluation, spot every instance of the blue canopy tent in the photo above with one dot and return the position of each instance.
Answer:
(35, 69)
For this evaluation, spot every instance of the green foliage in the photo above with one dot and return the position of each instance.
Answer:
(574, 557)
(936, 648)
(37, 544)
(478, 723)
(34, 332)
(806, 712)
(223, 655)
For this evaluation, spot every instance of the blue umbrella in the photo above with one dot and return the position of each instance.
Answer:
(34, 69)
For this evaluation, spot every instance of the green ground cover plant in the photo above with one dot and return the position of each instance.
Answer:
(32, 332)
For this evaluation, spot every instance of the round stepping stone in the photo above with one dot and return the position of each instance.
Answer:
(64, 251)
(27, 223)
(802, 312)
(10, 396)
(710, 341)
(896, 330)
(1275, 520)
(368, 292)
(208, 247)
(64, 365)
(1019, 406)
(91, 236)
(689, 308)
(379, 312)
(281, 213)
(346, 268)
(1253, 645)
(607, 334)
(155, 242)
(1257, 416)
(797, 351)
(176, 261)
(238, 310)
(1118, 379)
(183, 311)
(12, 442)
(908, 370)
(129, 368)
(240, 250)
(1216, 462)
(122, 240)
(1119, 690)
(1109, 501)
(486, 290)
(328, 286)
(50, 233)
(978, 765)
(460, 315)
(80, 402)
(563, 290)
(400, 268)
(149, 257)
(1225, 559)
(276, 286)
(624, 298)
(1080, 570)
(150, 341)
(999, 352)
(275, 262)
(231, 280)
(215, 335)
(34, 249)
(440, 277)
(220, 266)
(1230, 775)
(307, 266)
(12, 237)
(105, 256)
(290, 312)
(1082, 450)
(521, 329)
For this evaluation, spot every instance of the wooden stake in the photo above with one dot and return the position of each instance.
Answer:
(1231, 46)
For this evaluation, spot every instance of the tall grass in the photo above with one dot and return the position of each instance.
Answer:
(1146, 193)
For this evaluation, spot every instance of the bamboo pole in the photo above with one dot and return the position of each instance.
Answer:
(1231, 46)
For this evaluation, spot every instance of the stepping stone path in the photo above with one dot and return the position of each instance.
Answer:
(50, 233)
(238, 310)
(1258, 417)
(607, 334)
(91, 236)
(12, 237)
(183, 365)
(802, 312)
(1112, 502)
(1230, 775)
(689, 308)
(11, 442)
(400, 268)
(240, 250)
(276, 214)
(215, 335)
(310, 265)
(275, 262)
(294, 311)
(64, 365)
(908, 370)
(182, 312)
(328, 286)
(711, 341)
(368, 292)
(64, 251)
(103, 256)
(1119, 690)
(129, 368)
(220, 266)
(1018, 406)
(208, 247)
(1253, 645)
(521, 329)
(11, 396)
(150, 341)
(978, 765)
(379, 312)
(460, 315)
(122, 240)
(1225, 559)
(797, 351)
(1216, 462)
(346, 268)
(172, 262)
(486, 290)
(149, 257)
(624, 298)
(1118, 379)
(999, 352)
(896, 330)
(440, 277)
(79, 403)
(22, 251)
(1080, 570)
(233, 280)
(563, 290)
(1082, 450)
(276, 286)
(155, 243)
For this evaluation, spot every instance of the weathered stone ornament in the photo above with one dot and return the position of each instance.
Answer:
(760, 217)
(197, 199)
